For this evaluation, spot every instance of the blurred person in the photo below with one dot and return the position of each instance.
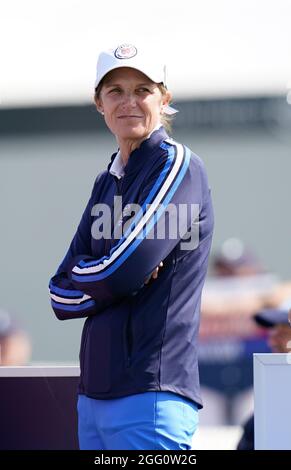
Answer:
(238, 288)
(139, 384)
(279, 339)
(15, 347)
(279, 328)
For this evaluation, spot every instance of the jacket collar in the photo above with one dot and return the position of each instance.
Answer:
(117, 167)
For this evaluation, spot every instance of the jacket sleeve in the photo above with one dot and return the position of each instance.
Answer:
(68, 301)
(176, 181)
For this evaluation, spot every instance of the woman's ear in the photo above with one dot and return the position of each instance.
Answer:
(99, 106)
(166, 98)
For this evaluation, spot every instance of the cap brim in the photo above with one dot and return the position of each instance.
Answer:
(271, 317)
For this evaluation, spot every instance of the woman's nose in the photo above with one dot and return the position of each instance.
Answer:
(129, 99)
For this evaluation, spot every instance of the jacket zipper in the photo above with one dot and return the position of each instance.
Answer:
(118, 185)
(129, 336)
(118, 193)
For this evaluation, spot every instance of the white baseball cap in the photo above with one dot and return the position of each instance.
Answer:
(127, 55)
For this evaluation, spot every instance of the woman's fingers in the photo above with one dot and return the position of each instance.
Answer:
(154, 274)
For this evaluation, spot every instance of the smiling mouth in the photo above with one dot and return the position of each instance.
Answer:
(129, 116)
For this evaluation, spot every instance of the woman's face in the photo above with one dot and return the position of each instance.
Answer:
(132, 104)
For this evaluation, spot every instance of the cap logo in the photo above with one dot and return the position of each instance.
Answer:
(125, 51)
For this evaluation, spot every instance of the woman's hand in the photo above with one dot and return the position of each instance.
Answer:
(154, 274)
(280, 339)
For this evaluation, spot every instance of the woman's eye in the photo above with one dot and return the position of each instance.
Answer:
(143, 89)
(115, 90)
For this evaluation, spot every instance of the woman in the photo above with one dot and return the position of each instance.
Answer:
(139, 385)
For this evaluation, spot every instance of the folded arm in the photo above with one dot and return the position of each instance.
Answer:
(139, 252)
(68, 301)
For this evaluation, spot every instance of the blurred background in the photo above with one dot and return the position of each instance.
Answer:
(229, 69)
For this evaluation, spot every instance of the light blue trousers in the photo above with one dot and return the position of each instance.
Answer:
(144, 421)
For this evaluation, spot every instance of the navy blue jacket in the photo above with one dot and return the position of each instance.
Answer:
(140, 337)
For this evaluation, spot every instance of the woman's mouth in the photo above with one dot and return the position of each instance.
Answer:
(129, 116)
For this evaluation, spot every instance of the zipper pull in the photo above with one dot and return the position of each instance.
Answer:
(118, 182)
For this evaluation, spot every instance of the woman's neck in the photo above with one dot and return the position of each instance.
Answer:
(127, 146)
